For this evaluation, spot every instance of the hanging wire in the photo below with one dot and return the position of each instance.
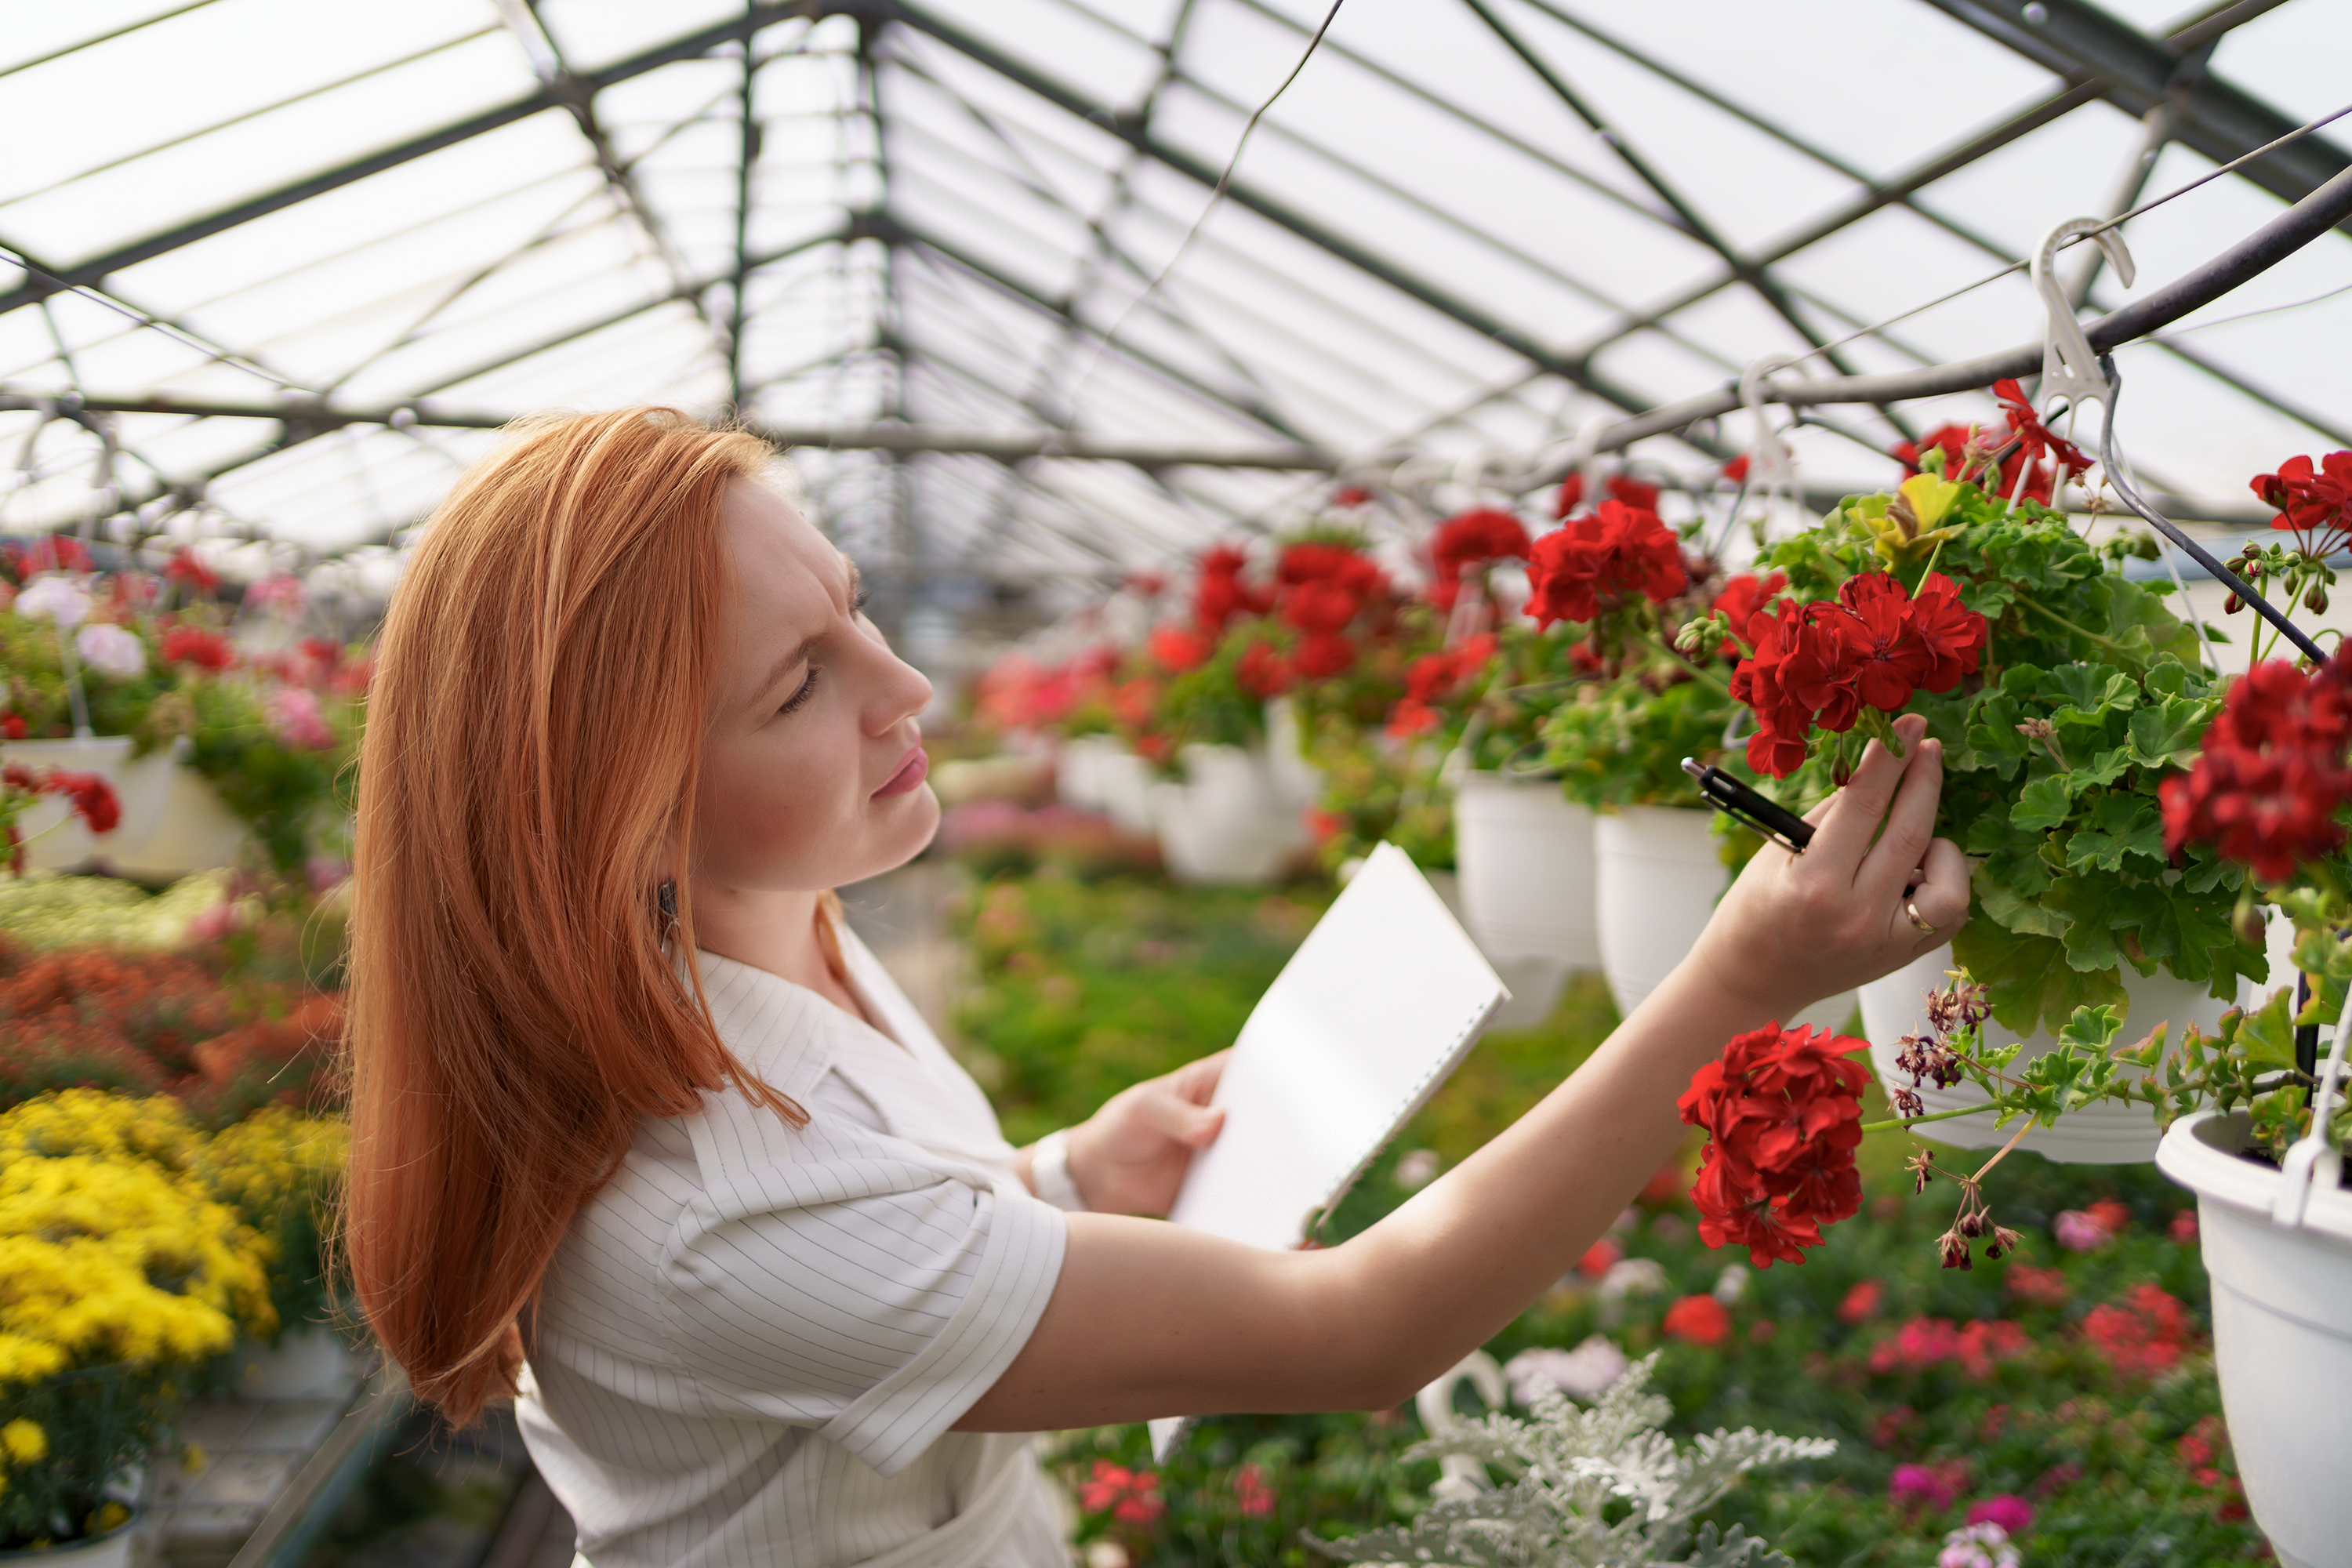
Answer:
(212, 351)
(1216, 199)
(2296, 134)
(2249, 315)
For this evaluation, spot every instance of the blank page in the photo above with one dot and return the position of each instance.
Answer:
(1380, 1002)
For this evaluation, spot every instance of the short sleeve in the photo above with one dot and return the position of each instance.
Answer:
(857, 1284)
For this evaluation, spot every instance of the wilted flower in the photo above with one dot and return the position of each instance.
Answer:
(112, 650)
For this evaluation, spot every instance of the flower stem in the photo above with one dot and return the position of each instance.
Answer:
(2014, 1139)
(1922, 1121)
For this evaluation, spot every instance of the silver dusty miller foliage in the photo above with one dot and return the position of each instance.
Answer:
(1598, 1488)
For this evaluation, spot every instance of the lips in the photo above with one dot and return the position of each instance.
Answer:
(912, 772)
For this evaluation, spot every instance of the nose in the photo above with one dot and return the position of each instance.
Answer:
(900, 690)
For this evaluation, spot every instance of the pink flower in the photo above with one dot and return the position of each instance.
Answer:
(2007, 1509)
(2037, 1287)
(295, 719)
(2183, 1228)
(2080, 1232)
(1861, 1301)
(1978, 1546)
(1251, 1492)
(280, 595)
(1931, 1486)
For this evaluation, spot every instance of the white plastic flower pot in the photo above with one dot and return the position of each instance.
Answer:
(2103, 1135)
(1227, 824)
(1078, 770)
(1657, 873)
(310, 1362)
(55, 839)
(1297, 782)
(111, 1550)
(1526, 858)
(1126, 783)
(2281, 1335)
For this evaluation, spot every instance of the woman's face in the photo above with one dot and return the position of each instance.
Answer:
(813, 768)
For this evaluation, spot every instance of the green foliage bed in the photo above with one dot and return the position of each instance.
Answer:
(2106, 1421)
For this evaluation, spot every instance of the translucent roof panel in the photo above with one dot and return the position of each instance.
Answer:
(272, 273)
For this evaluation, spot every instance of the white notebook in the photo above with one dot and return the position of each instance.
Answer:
(1380, 1002)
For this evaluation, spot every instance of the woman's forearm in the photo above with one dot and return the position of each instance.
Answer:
(1149, 1320)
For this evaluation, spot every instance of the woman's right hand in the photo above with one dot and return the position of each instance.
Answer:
(1796, 928)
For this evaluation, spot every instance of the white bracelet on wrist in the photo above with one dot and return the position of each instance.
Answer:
(1049, 1173)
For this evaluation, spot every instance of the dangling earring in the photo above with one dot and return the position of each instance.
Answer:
(666, 904)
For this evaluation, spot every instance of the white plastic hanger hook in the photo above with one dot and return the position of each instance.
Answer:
(1775, 464)
(2069, 366)
(2314, 1162)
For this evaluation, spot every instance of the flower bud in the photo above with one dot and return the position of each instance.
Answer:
(2233, 604)
(2246, 921)
(2314, 599)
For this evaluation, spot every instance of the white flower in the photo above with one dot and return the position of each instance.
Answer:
(1629, 1277)
(54, 596)
(1585, 1373)
(1417, 1169)
(1731, 1284)
(1978, 1546)
(112, 650)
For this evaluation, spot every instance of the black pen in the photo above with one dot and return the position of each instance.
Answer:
(1743, 804)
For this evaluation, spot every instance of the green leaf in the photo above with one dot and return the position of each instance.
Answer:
(2267, 1034)
(2121, 825)
(2042, 804)
(2024, 915)
(2167, 734)
(2030, 981)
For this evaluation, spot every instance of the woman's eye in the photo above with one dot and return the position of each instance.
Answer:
(857, 604)
(793, 703)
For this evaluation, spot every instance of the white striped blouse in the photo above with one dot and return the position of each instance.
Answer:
(753, 1341)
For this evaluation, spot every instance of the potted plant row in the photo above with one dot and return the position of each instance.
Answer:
(210, 730)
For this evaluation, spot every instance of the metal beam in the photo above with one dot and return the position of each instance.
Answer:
(1123, 127)
(96, 269)
(2136, 73)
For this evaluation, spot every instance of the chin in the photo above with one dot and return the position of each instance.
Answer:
(914, 820)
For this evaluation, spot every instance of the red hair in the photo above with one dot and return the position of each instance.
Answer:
(527, 783)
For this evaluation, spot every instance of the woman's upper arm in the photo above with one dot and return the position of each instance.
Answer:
(1149, 1320)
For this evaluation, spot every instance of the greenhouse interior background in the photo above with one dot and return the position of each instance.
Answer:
(1048, 308)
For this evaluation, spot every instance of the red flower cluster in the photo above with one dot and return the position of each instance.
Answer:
(1622, 487)
(1132, 1496)
(1219, 594)
(1471, 539)
(1745, 595)
(1817, 664)
(1262, 672)
(1435, 677)
(1599, 560)
(2038, 441)
(50, 552)
(1782, 1115)
(1926, 1342)
(1699, 1321)
(1019, 693)
(2035, 438)
(195, 646)
(2143, 1336)
(2272, 772)
(2314, 504)
(90, 796)
(189, 573)
(2201, 1451)
(1323, 587)
(1253, 1493)
(2037, 1287)
(1179, 648)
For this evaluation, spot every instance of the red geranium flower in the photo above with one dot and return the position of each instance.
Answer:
(2272, 772)
(1744, 596)
(2315, 505)
(12, 727)
(1219, 594)
(90, 796)
(1569, 497)
(1469, 539)
(194, 644)
(2145, 1335)
(2036, 437)
(1261, 671)
(1351, 495)
(1699, 1321)
(1322, 656)
(1737, 469)
(1599, 561)
(1632, 492)
(1320, 607)
(190, 573)
(1179, 648)
(1783, 1116)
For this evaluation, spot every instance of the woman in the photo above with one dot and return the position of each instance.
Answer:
(642, 1135)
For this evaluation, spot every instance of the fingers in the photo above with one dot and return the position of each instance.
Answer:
(1855, 813)
(1197, 1082)
(1887, 868)
(1181, 1120)
(1942, 896)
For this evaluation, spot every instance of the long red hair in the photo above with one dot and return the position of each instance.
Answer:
(526, 786)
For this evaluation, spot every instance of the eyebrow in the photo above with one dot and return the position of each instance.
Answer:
(800, 652)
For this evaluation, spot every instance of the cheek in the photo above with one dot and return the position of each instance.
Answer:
(772, 801)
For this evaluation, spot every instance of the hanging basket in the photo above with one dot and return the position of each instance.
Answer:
(2282, 1334)
(1658, 871)
(111, 1550)
(1525, 859)
(2103, 1135)
(173, 820)
(1227, 824)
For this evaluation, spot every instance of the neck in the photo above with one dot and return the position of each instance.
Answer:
(767, 930)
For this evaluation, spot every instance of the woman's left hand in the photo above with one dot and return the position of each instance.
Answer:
(1130, 1157)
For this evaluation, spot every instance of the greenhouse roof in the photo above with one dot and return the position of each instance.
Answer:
(278, 269)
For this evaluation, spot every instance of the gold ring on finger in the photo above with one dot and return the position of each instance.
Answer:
(1911, 908)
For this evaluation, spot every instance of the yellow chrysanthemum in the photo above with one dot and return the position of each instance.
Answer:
(24, 1442)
